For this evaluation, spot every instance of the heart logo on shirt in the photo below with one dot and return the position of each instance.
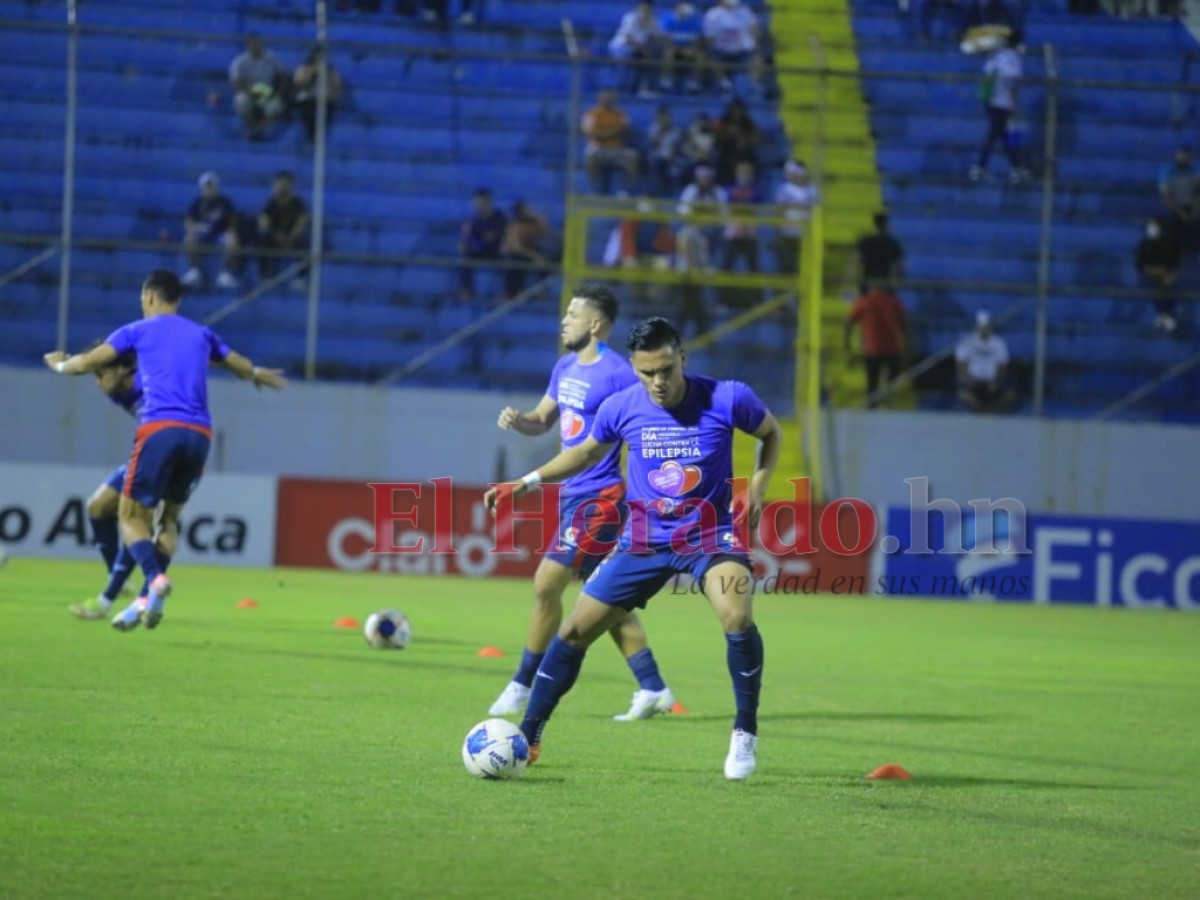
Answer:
(571, 426)
(675, 480)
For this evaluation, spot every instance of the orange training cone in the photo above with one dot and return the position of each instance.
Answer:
(346, 623)
(892, 772)
(679, 709)
(490, 651)
(247, 604)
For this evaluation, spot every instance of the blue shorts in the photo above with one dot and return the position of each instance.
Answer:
(630, 579)
(167, 462)
(569, 553)
(116, 481)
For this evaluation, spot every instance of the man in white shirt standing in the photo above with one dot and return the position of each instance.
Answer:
(732, 34)
(982, 358)
(1001, 73)
(638, 41)
(798, 195)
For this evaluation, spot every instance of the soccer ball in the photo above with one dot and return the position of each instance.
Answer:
(387, 629)
(495, 748)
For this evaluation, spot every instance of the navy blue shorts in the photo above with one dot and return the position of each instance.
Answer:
(167, 462)
(592, 523)
(116, 481)
(629, 579)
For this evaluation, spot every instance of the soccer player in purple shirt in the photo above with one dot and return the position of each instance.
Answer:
(172, 441)
(122, 384)
(589, 373)
(679, 432)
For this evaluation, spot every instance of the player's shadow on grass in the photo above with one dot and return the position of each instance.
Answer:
(817, 715)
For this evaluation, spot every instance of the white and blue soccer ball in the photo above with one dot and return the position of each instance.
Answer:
(496, 748)
(387, 629)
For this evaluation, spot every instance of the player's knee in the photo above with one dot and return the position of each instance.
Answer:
(736, 621)
(100, 506)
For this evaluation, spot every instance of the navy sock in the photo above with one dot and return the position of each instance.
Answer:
(143, 551)
(105, 537)
(559, 669)
(164, 561)
(119, 572)
(645, 670)
(745, 657)
(528, 668)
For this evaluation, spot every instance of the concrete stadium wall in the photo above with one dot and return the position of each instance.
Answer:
(357, 432)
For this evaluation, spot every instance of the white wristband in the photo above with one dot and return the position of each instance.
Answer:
(60, 366)
(531, 479)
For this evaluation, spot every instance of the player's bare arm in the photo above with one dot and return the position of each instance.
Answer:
(81, 363)
(247, 371)
(536, 422)
(770, 443)
(570, 462)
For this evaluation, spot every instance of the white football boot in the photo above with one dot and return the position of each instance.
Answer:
(743, 751)
(511, 701)
(647, 704)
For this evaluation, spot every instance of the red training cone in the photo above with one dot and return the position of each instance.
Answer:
(490, 651)
(679, 709)
(346, 623)
(247, 604)
(892, 772)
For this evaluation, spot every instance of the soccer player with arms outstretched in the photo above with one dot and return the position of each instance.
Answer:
(122, 384)
(583, 378)
(679, 433)
(172, 442)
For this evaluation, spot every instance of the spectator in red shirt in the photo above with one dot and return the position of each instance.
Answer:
(882, 318)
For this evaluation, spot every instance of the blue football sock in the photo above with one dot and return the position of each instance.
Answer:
(645, 670)
(164, 561)
(143, 551)
(528, 668)
(105, 537)
(119, 573)
(745, 657)
(555, 677)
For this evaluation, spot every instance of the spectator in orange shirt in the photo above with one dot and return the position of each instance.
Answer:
(606, 129)
(883, 321)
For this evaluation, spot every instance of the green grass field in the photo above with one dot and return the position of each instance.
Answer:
(262, 753)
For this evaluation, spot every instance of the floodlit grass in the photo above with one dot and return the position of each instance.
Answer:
(263, 753)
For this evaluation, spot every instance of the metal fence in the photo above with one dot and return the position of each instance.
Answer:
(1052, 256)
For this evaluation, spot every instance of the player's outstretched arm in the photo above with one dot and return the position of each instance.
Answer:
(570, 462)
(81, 363)
(770, 444)
(537, 421)
(247, 371)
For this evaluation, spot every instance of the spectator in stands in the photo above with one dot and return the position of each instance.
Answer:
(799, 195)
(607, 129)
(1179, 187)
(731, 31)
(304, 82)
(699, 146)
(1001, 74)
(663, 140)
(482, 238)
(260, 83)
(982, 358)
(736, 139)
(638, 243)
(879, 257)
(211, 222)
(741, 239)
(439, 11)
(1158, 259)
(524, 242)
(638, 41)
(684, 48)
(283, 224)
(881, 316)
(697, 244)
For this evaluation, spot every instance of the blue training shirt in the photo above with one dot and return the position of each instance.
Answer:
(173, 354)
(133, 399)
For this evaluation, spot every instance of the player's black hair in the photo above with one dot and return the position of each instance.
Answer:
(285, 174)
(164, 284)
(882, 220)
(653, 334)
(599, 297)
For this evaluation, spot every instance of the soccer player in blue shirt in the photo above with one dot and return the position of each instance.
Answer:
(583, 378)
(122, 384)
(679, 433)
(172, 441)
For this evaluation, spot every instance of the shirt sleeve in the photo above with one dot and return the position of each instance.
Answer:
(606, 427)
(217, 348)
(856, 311)
(1002, 347)
(748, 410)
(961, 352)
(124, 338)
(555, 374)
